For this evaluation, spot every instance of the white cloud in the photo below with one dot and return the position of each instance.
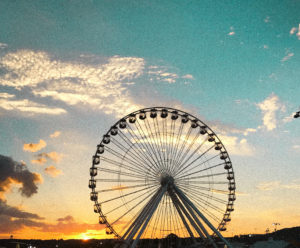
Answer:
(24, 105)
(267, 19)
(267, 186)
(3, 45)
(161, 74)
(295, 30)
(296, 147)
(287, 57)
(188, 76)
(249, 130)
(232, 31)
(237, 146)
(269, 107)
(101, 86)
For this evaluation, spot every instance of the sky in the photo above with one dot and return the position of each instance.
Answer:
(70, 69)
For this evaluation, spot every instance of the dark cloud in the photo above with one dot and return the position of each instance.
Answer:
(68, 218)
(13, 219)
(15, 212)
(9, 224)
(15, 172)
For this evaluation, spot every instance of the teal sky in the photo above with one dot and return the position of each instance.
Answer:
(76, 67)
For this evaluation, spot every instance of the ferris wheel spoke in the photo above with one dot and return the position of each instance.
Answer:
(131, 193)
(148, 144)
(185, 179)
(206, 211)
(155, 145)
(182, 154)
(120, 156)
(158, 136)
(200, 193)
(208, 168)
(178, 153)
(199, 187)
(175, 145)
(121, 188)
(138, 157)
(116, 172)
(143, 148)
(132, 208)
(131, 200)
(187, 166)
(116, 180)
(195, 196)
(179, 166)
(123, 165)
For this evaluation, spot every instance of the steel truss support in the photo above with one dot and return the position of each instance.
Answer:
(141, 222)
(189, 205)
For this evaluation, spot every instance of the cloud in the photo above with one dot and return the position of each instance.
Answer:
(287, 57)
(55, 134)
(26, 106)
(15, 212)
(296, 147)
(98, 85)
(295, 30)
(12, 172)
(3, 45)
(267, 186)
(231, 33)
(249, 130)
(68, 218)
(161, 74)
(40, 161)
(188, 76)
(267, 19)
(53, 171)
(237, 146)
(34, 147)
(54, 156)
(269, 107)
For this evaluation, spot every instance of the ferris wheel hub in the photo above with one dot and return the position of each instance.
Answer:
(166, 179)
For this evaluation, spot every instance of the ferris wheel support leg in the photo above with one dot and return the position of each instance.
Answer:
(180, 208)
(152, 210)
(135, 226)
(182, 196)
(198, 222)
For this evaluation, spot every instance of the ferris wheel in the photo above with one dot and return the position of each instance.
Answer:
(160, 173)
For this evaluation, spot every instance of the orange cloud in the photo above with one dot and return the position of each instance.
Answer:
(40, 161)
(54, 156)
(52, 171)
(55, 134)
(34, 147)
